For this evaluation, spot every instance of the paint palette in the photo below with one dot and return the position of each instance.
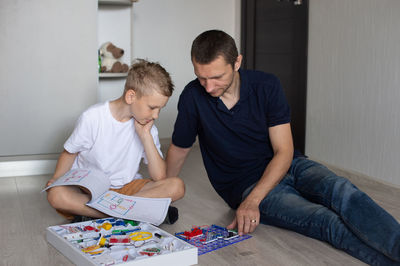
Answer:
(113, 241)
(210, 238)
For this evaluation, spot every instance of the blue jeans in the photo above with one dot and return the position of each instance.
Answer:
(313, 201)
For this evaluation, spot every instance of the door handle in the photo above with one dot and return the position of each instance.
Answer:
(295, 2)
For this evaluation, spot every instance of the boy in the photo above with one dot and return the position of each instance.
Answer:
(113, 137)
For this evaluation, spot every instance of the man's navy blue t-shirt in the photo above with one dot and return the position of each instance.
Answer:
(234, 143)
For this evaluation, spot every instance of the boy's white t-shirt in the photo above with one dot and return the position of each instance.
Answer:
(105, 144)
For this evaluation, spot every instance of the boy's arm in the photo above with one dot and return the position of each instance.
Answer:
(176, 156)
(64, 164)
(156, 164)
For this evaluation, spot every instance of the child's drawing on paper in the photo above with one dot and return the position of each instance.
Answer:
(76, 175)
(116, 203)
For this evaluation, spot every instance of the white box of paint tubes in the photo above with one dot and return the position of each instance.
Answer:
(113, 241)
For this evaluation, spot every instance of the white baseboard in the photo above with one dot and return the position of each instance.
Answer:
(28, 167)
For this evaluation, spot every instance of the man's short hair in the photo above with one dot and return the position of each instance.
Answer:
(211, 44)
(144, 77)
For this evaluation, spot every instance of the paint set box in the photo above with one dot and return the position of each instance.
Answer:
(113, 241)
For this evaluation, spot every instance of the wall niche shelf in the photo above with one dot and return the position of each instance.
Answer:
(112, 75)
(115, 19)
(117, 2)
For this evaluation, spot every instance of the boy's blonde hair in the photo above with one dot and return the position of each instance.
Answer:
(144, 77)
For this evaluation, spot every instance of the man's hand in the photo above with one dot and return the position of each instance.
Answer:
(143, 130)
(247, 217)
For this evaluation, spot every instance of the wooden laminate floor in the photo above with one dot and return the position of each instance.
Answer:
(25, 214)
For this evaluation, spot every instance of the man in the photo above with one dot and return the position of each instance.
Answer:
(242, 120)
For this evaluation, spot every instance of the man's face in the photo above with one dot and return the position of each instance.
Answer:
(216, 77)
(147, 107)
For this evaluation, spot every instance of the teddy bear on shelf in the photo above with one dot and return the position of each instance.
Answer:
(110, 59)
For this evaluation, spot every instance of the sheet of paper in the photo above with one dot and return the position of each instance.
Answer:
(95, 181)
(151, 210)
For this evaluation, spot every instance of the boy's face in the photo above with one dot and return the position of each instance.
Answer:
(146, 108)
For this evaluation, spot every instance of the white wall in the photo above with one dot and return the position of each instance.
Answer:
(50, 52)
(48, 72)
(164, 31)
(353, 107)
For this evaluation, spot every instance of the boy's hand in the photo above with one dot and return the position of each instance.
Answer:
(143, 130)
(156, 165)
(51, 181)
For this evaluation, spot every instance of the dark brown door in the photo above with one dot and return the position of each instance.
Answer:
(274, 40)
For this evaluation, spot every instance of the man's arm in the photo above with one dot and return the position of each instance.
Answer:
(64, 164)
(176, 156)
(282, 144)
